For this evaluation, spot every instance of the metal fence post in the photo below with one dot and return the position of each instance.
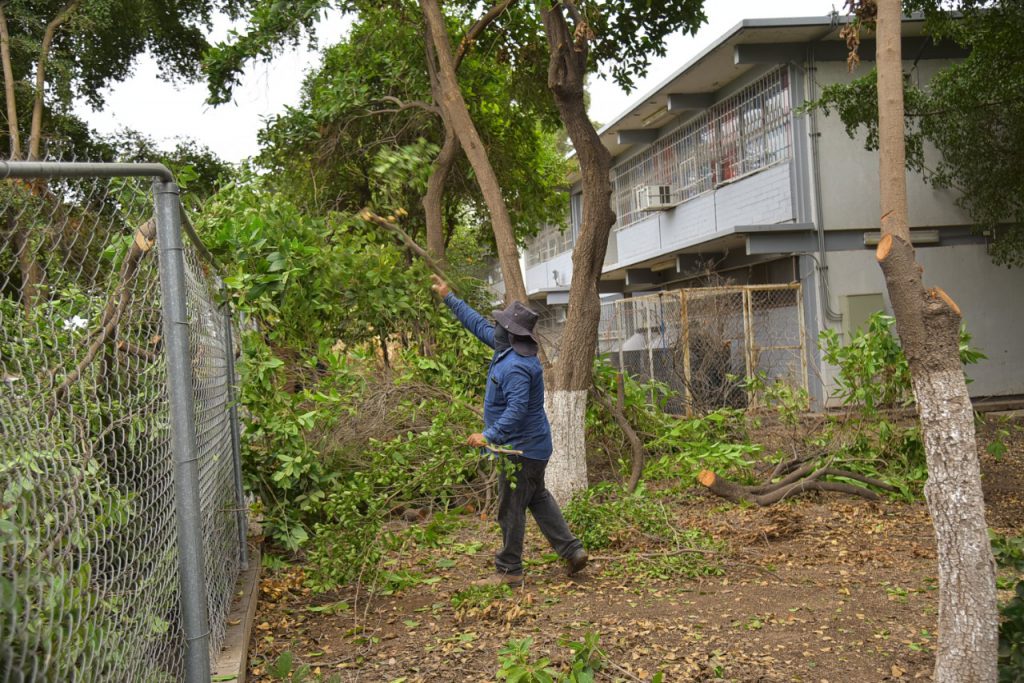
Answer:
(194, 609)
(236, 450)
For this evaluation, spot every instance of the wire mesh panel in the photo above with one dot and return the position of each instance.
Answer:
(717, 363)
(777, 334)
(209, 346)
(89, 584)
(703, 342)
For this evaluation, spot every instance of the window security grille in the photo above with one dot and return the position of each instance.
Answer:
(740, 135)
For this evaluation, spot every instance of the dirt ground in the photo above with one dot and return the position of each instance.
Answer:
(821, 588)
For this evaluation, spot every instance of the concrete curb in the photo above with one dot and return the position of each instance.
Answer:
(233, 658)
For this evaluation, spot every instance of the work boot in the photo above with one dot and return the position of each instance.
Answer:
(576, 562)
(501, 579)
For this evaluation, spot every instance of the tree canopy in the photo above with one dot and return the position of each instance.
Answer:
(73, 49)
(366, 131)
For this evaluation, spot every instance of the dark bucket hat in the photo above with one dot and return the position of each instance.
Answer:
(520, 321)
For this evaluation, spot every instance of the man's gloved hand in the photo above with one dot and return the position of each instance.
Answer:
(440, 286)
(476, 440)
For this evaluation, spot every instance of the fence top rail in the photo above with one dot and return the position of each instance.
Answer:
(740, 288)
(82, 169)
(725, 289)
(24, 170)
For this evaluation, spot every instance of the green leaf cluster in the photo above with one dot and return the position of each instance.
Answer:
(516, 665)
(367, 132)
(1009, 554)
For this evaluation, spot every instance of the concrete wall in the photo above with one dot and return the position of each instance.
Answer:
(849, 173)
(988, 296)
(541, 276)
(764, 197)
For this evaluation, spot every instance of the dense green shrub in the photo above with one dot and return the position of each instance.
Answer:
(1009, 553)
(327, 301)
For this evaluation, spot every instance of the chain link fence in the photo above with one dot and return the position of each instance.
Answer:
(121, 523)
(703, 342)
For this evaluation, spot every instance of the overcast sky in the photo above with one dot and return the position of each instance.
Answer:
(166, 112)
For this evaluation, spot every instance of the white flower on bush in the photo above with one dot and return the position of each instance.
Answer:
(75, 323)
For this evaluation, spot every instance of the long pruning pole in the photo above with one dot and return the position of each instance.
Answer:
(408, 241)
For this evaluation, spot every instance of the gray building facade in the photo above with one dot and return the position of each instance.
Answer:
(718, 178)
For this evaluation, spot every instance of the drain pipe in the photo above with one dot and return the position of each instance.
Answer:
(819, 221)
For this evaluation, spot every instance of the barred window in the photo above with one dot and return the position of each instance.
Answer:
(742, 134)
(575, 214)
(549, 243)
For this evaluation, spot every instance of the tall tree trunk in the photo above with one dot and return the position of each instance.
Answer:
(9, 94)
(567, 402)
(928, 323)
(32, 276)
(456, 115)
(433, 200)
(36, 132)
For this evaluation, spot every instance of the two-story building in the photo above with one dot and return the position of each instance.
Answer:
(719, 179)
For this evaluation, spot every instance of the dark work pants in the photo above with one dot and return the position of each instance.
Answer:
(531, 494)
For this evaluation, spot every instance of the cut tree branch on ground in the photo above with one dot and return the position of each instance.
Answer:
(667, 553)
(805, 478)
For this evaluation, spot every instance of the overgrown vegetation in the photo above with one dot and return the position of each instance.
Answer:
(1009, 553)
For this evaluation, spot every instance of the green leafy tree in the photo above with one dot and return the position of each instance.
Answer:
(56, 52)
(367, 134)
(326, 302)
(53, 53)
(557, 44)
(197, 168)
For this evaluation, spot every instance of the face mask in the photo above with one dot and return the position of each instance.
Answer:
(501, 339)
(524, 345)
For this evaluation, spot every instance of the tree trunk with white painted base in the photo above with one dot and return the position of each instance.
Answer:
(567, 471)
(573, 375)
(928, 324)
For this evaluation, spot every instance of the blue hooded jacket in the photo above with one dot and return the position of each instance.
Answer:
(514, 401)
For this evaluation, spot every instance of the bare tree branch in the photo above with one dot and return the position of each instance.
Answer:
(410, 104)
(477, 28)
(409, 242)
(112, 312)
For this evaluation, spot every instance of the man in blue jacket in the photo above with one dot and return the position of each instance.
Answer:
(514, 416)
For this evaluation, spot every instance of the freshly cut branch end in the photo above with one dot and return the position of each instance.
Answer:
(883, 248)
(805, 478)
(706, 478)
(938, 293)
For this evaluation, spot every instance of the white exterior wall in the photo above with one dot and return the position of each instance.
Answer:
(849, 173)
(988, 296)
(541, 276)
(760, 198)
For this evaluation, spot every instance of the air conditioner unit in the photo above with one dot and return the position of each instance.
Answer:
(655, 198)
